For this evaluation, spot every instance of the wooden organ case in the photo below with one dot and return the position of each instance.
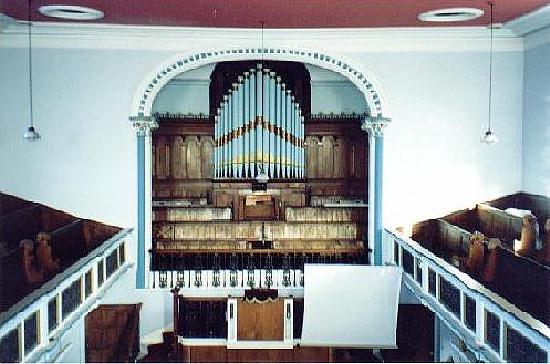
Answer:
(217, 227)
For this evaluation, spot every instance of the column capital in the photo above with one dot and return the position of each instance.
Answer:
(375, 124)
(143, 124)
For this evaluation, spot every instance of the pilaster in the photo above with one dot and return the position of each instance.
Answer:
(374, 126)
(143, 125)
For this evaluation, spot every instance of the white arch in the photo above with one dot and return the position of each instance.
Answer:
(366, 82)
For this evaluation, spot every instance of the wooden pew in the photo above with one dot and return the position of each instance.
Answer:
(68, 243)
(524, 282)
(444, 239)
(20, 224)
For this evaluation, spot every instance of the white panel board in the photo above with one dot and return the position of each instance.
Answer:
(350, 305)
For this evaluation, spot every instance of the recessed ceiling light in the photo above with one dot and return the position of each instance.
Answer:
(450, 14)
(70, 12)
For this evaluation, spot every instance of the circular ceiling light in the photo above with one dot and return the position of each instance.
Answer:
(70, 12)
(450, 14)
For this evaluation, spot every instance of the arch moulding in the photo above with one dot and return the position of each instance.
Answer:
(366, 82)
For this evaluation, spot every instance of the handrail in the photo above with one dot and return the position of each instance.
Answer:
(532, 329)
(54, 283)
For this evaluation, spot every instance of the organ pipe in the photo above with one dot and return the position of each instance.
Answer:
(259, 127)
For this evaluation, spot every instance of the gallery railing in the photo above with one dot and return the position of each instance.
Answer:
(31, 328)
(209, 279)
(239, 270)
(490, 325)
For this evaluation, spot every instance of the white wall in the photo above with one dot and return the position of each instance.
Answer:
(85, 162)
(536, 118)
(72, 344)
(434, 162)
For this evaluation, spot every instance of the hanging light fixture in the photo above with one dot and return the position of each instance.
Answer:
(490, 137)
(31, 133)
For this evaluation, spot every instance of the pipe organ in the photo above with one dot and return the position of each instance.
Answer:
(235, 248)
(259, 127)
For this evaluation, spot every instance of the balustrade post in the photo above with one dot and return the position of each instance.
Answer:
(231, 320)
(43, 323)
(437, 286)
(21, 339)
(288, 320)
(503, 339)
(425, 277)
(437, 333)
(480, 321)
(462, 307)
(143, 126)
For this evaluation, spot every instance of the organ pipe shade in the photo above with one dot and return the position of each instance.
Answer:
(259, 127)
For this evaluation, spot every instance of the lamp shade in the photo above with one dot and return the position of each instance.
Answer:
(489, 138)
(31, 134)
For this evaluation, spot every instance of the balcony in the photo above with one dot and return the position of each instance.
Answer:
(39, 306)
(489, 325)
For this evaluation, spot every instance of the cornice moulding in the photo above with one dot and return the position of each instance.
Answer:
(102, 36)
(5, 21)
(538, 38)
(531, 22)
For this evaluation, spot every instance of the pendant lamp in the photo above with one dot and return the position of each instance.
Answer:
(31, 133)
(490, 137)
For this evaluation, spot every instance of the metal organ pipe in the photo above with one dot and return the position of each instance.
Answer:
(259, 127)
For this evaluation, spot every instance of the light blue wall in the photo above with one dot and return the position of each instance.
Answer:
(536, 120)
(434, 161)
(85, 162)
(184, 97)
(336, 97)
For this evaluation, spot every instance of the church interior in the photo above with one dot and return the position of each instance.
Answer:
(353, 181)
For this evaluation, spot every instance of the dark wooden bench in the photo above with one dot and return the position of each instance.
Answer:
(20, 224)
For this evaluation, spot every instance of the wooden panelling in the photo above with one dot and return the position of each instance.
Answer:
(329, 156)
(112, 333)
(206, 354)
(182, 156)
(260, 320)
(220, 354)
(259, 356)
(311, 355)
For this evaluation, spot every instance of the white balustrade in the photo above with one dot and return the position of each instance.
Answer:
(480, 332)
